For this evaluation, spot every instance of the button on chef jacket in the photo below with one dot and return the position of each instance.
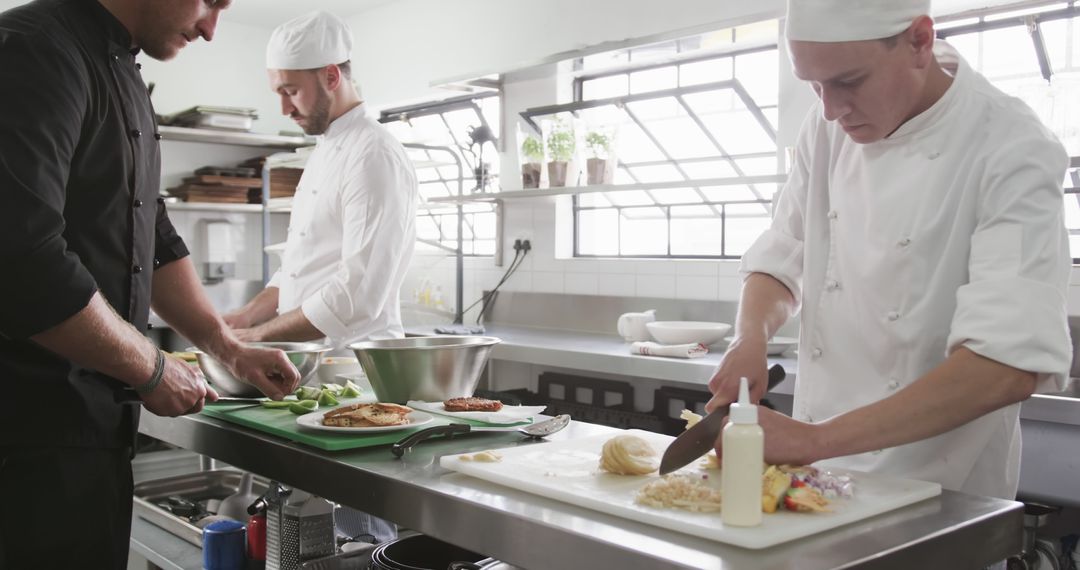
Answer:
(949, 233)
(351, 233)
(79, 182)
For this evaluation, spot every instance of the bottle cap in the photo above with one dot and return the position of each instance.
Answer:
(743, 412)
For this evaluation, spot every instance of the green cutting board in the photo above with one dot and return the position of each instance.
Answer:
(282, 423)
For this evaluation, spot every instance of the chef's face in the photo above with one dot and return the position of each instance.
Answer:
(165, 26)
(304, 98)
(869, 87)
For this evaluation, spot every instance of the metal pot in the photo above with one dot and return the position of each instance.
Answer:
(429, 368)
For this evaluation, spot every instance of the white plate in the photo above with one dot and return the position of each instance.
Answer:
(314, 421)
(777, 344)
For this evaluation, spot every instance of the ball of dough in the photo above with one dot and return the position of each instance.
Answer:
(628, 455)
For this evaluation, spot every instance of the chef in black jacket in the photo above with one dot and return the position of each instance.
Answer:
(86, 249)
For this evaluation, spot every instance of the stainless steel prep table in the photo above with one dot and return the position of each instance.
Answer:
(952, 531)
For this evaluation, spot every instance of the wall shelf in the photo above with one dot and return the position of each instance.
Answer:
(577, 190)
(231, 137)
(215, 207)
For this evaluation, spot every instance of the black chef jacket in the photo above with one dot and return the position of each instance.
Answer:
(79, 213)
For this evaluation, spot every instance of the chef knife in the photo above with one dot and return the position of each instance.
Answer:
(698, 440)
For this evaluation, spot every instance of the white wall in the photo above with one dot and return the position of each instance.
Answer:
(229, 71)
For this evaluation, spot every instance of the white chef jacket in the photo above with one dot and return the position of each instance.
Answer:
(351, 233)
(949, 233)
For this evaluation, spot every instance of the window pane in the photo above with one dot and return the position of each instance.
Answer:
(426, 228)
(676, 195)
(680, 136)
(433, 190)
(737, 192)
(634, 146)
(660, 173)
(759, 74)
(1008, 51)
(1055, 37)
(598, 232)
(738, 132)
(757, 166)
(630, 198)
(653, 80)
(968, 46)
(593, 200)
(710, 169)
(745, 223)
(700, 236)
(708, 71)
(604, 87)
(646, 236)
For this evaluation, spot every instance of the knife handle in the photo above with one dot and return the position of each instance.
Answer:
(776, 376)
(399, 448)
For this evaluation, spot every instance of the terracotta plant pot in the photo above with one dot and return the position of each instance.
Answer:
(530, 175)
(557, 173)
(598, 172)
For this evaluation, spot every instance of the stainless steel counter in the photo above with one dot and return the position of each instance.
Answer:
(951, 531)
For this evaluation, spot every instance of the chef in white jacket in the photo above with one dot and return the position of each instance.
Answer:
(352, 228)
(920, 235)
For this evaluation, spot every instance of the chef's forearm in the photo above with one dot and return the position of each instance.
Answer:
(963, 388)
(262, 307)
(764, 306)
(97, 338)
(291, 326)
(177, 296)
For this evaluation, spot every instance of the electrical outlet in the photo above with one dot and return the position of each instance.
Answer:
(526, 245)
(518, 245)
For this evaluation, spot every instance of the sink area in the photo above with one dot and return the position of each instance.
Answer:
(178, 503)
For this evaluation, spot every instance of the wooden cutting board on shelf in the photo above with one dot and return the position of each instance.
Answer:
(568, 471)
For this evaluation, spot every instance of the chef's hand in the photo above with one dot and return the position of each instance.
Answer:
(182, 391)
(268, 369)
(238, 319)
(786, 440)
(744, 357)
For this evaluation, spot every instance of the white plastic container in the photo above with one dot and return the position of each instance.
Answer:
(743, 451)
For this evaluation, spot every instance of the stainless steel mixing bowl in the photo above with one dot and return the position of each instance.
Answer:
(429, 368)
(305, 356)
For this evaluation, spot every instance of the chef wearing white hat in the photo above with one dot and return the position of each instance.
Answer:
(920, 235)
(352, 228)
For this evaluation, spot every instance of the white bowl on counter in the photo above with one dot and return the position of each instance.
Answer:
(688, 332)
(334, 366)
(777, 345)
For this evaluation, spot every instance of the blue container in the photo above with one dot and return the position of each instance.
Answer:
(223, 545)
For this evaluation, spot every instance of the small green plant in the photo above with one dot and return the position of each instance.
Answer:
(532, 149)
(599, 144)
(561, 143)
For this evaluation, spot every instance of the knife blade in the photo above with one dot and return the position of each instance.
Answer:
(698, 440)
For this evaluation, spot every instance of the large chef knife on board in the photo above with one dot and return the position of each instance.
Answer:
(698, 440)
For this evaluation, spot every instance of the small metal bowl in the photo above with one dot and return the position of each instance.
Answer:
(305, 356)
(428, 368)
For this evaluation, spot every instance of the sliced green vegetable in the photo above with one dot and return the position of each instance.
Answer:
(334, 389)
(277, 404)
(307, 393)
(326, 398)
(351, 391)
(303, 407)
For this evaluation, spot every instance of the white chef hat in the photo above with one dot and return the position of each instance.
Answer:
(310, 41)
(850, 20)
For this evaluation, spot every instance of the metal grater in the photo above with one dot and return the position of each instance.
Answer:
(317, 530)
(275, 532)
(289, 553)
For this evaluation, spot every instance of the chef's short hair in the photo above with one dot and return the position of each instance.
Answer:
(345, 67)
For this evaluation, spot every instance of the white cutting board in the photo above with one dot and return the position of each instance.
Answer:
(567, 471)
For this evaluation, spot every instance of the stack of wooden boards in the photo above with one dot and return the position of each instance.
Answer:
(236, 185)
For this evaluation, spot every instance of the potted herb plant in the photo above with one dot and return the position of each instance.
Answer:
(561, 144)
(601, 165)
(532, 150)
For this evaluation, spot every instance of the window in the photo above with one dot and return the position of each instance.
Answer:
(447, 124)
(694, 123)
(1034, 55)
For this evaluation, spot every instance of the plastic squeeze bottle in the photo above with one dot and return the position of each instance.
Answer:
(743, 452)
